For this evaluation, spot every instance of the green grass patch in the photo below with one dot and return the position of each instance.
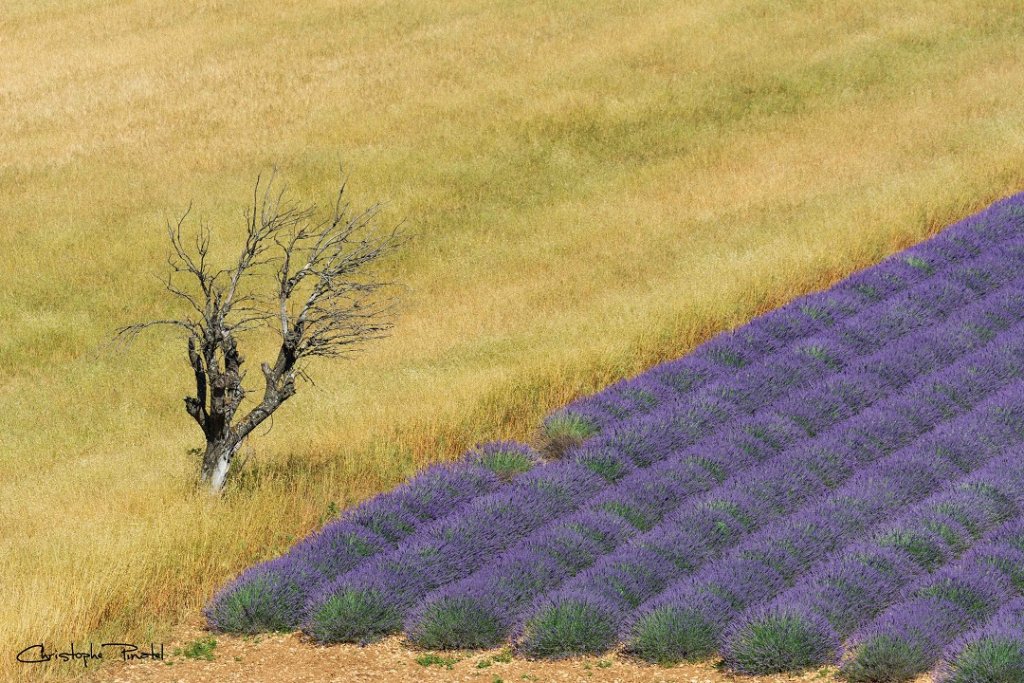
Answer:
(432, 659)
(506, 464)
(919, 264)
(201, 648)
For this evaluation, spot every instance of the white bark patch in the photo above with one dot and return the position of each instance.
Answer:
(220, 471)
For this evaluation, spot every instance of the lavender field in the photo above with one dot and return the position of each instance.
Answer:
(841, 481)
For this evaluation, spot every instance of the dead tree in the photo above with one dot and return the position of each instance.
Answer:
(304, 275)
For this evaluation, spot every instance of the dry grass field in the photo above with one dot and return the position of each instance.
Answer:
(593, 187)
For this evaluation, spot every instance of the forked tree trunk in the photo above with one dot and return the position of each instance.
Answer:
(223, 439)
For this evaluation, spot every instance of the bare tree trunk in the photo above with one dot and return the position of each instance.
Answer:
(217, 462)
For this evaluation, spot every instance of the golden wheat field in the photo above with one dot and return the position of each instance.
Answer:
(592, 187)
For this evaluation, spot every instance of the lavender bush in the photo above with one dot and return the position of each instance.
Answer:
(993, 653)
(846, 592)
(909, 637)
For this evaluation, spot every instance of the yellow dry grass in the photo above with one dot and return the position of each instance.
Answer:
(595, 187)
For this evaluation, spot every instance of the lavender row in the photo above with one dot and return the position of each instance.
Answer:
(800, 318)
(491, 598)
(270, 596)
(805, 625)
(585, 615)
(370, 600)
(993, 652)
(908, 639)
(686, 622)
(636, 452)
(639, 496)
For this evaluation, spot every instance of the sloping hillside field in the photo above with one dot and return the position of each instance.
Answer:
(839, 481)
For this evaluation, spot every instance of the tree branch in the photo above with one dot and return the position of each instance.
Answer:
(196, 406)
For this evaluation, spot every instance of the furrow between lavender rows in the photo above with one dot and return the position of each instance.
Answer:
(909, 637)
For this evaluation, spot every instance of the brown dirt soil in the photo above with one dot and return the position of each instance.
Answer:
(288, 658)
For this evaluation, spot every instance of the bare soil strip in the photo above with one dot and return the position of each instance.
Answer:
(289, 658)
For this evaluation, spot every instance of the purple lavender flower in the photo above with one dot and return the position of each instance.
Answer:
(771, 492)
(337, 548)
(780, 638)
(908, 311)
(267, 597)
(831, 401)
(882, 281)
(999, 223)
(809, 361)
(626, 505)
(643, 498)
(991, 653)
(1011, 534)
(686, 621)
(946, 604)
(374, 599)
(848, 590)
(670, 628)
(683, 375)
(903, 643)
(829, 307)
(431, 494)
(478, 610)
(844, 593)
